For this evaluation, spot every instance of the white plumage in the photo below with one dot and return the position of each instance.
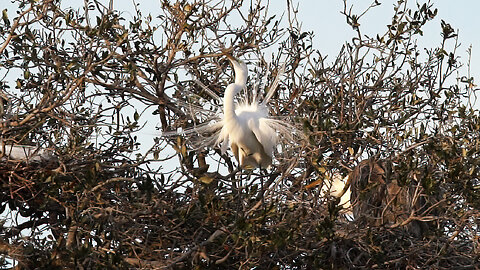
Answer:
(246, 126)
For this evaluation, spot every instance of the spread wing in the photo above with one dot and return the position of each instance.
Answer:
(264, 133)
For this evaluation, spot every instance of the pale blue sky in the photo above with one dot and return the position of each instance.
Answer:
(323, 17)
(331, 31)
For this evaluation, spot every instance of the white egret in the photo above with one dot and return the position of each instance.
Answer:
(245, 126)
(242, 124)
(335, 187)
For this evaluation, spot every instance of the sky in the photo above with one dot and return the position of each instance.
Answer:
(323, 17)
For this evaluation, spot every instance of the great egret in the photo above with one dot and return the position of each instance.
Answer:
(335, 187)
(245, 126)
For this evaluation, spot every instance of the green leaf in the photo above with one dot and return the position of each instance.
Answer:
(5, 17)
(136, 116)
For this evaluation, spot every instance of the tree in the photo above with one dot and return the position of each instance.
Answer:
(86, 82)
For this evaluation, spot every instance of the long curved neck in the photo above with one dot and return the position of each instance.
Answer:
(228, 103)
(240, 77)
(241, 72)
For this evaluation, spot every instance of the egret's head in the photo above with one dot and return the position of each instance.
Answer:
(241, 71)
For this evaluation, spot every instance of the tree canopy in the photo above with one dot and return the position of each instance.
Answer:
(80, 87)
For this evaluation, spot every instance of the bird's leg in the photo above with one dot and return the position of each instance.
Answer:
(237, 192)
(239, 183)
(265, 186)
(263, 173)
(234, 180)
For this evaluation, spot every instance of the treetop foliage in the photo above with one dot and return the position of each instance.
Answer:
(85, 84)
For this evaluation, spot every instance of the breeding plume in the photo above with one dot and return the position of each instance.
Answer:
(241, 123)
